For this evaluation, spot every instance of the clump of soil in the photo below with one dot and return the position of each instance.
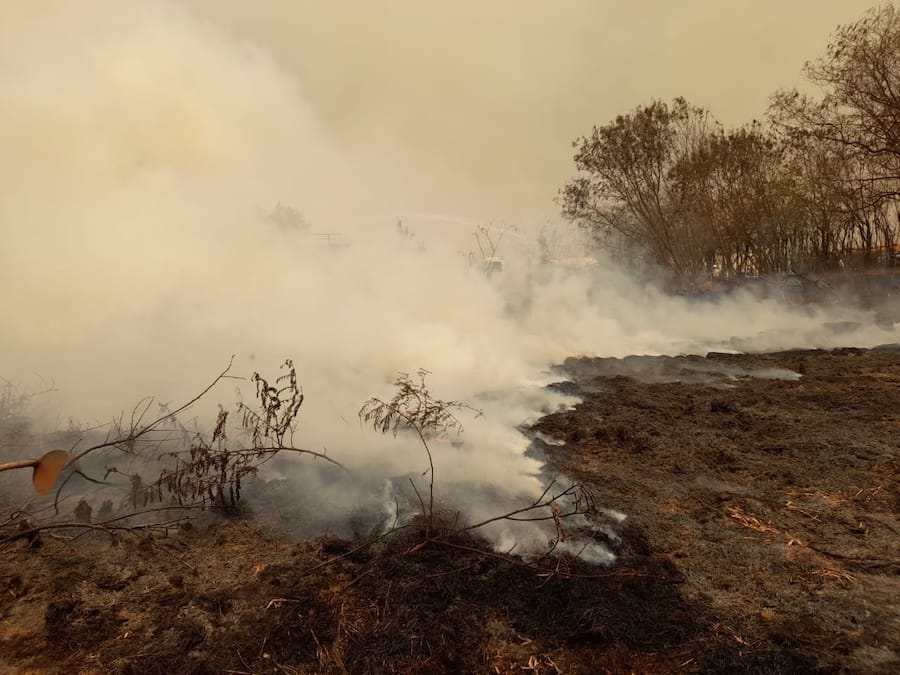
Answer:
(761, 537)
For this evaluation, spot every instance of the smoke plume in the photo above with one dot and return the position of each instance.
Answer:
(146, 146)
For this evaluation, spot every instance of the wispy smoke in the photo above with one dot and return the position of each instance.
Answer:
(142, 146)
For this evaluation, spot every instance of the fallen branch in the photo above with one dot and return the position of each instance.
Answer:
(102, 527)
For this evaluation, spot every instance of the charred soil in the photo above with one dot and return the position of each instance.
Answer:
(761, 536)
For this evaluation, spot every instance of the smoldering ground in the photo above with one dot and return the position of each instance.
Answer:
(145, 148)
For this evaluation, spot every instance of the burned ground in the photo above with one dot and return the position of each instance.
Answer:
(761, 536)
(777, 499)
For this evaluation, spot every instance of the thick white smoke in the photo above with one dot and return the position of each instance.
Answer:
(141, 147)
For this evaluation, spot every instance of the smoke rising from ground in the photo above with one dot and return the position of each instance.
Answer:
(142, 145)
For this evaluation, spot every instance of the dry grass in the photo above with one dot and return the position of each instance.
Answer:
(841, 576)
(750, 521)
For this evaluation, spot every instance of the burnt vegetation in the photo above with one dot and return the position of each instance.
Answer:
(161, 469)
(414, 409)
(760, 539)
(371, 605)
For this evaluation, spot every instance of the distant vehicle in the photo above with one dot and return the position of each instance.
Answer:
(574, 263)
(492, 265)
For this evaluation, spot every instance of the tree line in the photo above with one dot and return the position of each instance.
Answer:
(815, 186)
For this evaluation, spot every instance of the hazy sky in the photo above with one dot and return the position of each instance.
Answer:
(473, 104)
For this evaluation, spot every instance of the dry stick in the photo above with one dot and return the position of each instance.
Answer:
(319, 455)
(246, 665)
(366, 571)
(839, 556)
(539, 519)
(422, 504)
(430, 480)
(86, 526)
(105, 523)
(152, 425)
(78, 472)
(16, 514)
(173, 507)
(366, 544)
(135, 434)
(135, 424)
(430, 514)
(173, 556)
(456, 571)
(134, 529)
(537, 504)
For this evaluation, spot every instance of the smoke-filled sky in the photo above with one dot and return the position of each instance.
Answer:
(475, 103)
(141, 140)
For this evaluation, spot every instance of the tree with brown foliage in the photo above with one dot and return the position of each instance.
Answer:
(856, 121)
(625, 187)
(817, 187)
(736, 188)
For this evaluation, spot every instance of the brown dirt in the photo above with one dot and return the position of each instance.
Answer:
(762, 537)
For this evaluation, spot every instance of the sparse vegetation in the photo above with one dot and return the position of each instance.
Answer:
(193, 470)
(413, 408)
(754, 563)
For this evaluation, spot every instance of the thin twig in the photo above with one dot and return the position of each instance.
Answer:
(362, 546)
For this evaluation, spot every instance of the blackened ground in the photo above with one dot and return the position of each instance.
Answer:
(761, 537)
(777, 500)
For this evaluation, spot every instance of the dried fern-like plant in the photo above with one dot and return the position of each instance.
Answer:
(414, 408)
(209, 469)
(279, 406)
(211, 473)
